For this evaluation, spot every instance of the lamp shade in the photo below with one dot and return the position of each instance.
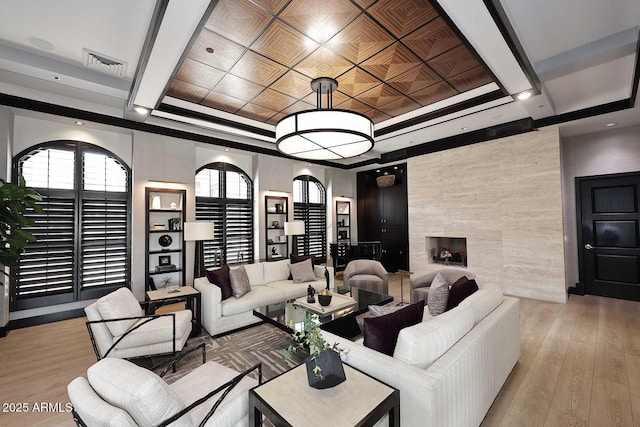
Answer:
(294, 228)
(194, 231)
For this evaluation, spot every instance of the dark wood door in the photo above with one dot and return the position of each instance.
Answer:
(609, 249)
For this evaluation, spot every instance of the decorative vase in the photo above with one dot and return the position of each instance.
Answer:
(324, 300)
(332, 370)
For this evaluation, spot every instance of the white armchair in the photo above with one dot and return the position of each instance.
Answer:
(119, 393)
(118, 328)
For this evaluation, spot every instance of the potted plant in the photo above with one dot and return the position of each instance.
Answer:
(324, 366)
(15, 200)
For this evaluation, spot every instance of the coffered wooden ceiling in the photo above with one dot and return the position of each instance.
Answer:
(256, 58)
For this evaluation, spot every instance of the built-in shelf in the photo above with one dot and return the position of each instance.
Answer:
(276, 215)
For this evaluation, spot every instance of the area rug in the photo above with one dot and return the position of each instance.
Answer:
(242, 349)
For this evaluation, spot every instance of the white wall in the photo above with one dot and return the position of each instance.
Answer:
(607, 152)
(504, 196)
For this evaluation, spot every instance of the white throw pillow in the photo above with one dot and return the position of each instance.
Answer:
(140, 392)
(438, 295)
(276, 271)
(302, 272)
(116, 305)
(255, 272)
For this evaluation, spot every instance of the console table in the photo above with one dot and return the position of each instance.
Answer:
(288, 400)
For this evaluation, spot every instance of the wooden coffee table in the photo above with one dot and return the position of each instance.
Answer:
(288, 400)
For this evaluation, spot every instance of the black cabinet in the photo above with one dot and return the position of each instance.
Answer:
(383, 214)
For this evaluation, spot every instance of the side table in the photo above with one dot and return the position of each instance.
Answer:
(288, 400)
(188, 294)
(403, 274)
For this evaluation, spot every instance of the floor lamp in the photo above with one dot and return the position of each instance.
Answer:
(197, 232)
(294, 228)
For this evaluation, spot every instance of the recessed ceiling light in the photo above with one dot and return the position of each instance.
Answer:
(464, 128)
(524, 95)
(210, 50)
(395, 167)
(611, 124)
(54, 77)
(141, 110)
(226, 149)
(378, 170)
(41, 43)
(78, 122)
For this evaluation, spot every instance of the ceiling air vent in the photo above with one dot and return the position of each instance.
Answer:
(104, 63)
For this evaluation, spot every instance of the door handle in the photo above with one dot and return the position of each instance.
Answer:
(589, 247)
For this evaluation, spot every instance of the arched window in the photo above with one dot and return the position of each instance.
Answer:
(83, 237)
(309, 205)
(224, 196)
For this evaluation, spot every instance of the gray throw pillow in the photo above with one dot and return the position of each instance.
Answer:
(239, 281)
(438, 295)
(302, 272)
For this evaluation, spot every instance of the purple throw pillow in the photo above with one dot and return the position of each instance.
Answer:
(460, 290)
(381, 333)
(220, 278)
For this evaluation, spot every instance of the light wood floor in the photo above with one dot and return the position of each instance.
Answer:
(580, 366)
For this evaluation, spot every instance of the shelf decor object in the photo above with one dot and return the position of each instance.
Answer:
(324, 133)
(198, 232)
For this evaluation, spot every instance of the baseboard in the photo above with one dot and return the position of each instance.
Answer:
(578, 289)
(4, 331)
(45, 318)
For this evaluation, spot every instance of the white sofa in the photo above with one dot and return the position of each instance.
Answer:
(449, 368)
(269, 285)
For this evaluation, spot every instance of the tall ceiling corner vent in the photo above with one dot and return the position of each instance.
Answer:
(103, 63)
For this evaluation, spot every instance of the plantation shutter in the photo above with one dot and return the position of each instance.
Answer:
(46, 267)
(224, 196)
(309, 206)
(82, 249)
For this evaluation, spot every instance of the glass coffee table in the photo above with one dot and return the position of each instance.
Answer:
(341, 321)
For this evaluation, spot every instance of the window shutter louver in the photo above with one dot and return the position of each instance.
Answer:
(309, 206)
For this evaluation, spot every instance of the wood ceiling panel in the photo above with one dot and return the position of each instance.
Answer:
(293, 84)
(434, 93)
(238, 88)
(454, 61)
(353, 105)
(238, 20)
(199, 74)
(377, 116)
(470, 79)
(223, 102)
(399, 107)
(403, 16)
(186, 91)
(392, 61)
(298, 106)
(356, 81)
(258, 69)
(415, 79)
(273, 6)
(284, 44)
(276, 118)
(225, 52)
(319, 20)
(323, 63)
(380, 95)
(256, 112)
(360, 40)
(273, 100)
(432, 39)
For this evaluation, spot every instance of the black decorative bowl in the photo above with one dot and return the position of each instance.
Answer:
(324, 300)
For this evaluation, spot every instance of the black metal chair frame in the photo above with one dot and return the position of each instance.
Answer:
(227, 387)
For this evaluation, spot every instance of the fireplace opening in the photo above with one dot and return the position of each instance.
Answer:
(447, 251)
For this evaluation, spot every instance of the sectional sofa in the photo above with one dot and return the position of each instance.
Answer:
(448, 368)
(270, 284)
